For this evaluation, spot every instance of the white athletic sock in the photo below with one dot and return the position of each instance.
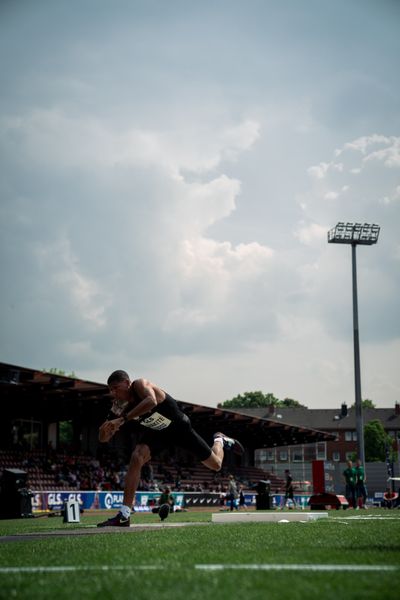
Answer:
(125, 511)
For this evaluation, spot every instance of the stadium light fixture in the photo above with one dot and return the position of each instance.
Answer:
(366, 235)
(354, 233)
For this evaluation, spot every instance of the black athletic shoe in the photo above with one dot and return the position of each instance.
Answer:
(230, 443)
(163, 511)
(117, 521)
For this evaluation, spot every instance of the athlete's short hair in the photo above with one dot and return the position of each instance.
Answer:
(117, 377)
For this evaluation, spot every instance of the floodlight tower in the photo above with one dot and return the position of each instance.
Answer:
(366, 235)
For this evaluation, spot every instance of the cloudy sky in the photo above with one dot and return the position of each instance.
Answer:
(169, 172)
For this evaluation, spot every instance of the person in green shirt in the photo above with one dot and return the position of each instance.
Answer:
(361, 491)
(167, 498)
(350, 477)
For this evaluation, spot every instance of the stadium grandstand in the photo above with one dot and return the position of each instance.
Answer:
(50, 425)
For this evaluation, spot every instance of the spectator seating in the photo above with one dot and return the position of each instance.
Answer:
(63, 471)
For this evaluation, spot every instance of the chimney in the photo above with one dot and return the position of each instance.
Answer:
(397, 408)
(271, 409)
(343, 410)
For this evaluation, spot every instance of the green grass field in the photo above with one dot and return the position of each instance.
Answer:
(206, 561)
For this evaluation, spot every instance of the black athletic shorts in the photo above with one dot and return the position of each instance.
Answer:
(180, 433)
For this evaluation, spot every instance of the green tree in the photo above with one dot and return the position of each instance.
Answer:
(249, 400)
(66, 433)
(376, 440)
(54, 371)
(291, 403)
(257, 399)
(352, 456)
(366, 403)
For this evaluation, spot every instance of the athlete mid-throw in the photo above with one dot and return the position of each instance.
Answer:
(161, 424)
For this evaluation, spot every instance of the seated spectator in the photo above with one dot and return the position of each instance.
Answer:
(390, 499)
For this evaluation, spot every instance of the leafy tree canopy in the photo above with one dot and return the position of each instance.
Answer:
(376, 440)
(366, 403)
(54, 371)
(258, 399)
(290, 403)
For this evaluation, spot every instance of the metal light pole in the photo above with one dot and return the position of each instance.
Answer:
(356, 234)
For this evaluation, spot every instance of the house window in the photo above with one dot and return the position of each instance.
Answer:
(336, 456)
(297, 455)
(349, 456)
(347, 436)
(283, 455)
(354, 436)
(270, 455)
(321, 450)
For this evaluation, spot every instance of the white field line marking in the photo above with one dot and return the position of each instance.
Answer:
(211, 567)
(370, 518)
(288, 567)
(74, 568)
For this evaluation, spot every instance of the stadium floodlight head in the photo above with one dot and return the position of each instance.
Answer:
(354, 233)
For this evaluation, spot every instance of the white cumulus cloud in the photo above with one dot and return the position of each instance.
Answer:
(311, 234)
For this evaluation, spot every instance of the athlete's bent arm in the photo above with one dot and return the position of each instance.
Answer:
(151, 395)
(107, 430)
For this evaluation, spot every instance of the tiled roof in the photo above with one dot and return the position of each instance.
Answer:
(326, 419)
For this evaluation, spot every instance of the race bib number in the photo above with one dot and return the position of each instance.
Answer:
(156, 421)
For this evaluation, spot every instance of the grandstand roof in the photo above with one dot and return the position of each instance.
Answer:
(30, 393)
(253, 431)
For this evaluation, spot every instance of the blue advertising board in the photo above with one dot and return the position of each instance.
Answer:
(54, 500)
(144, 501)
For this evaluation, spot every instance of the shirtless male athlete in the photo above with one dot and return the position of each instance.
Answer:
(161, 423)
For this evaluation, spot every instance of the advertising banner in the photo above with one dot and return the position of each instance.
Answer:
(49, 500)
(144, 501)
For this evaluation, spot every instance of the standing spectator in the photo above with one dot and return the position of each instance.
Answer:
(361, 491)
(289, 491)
(233, 493)
(242, 499)
(350, 478)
